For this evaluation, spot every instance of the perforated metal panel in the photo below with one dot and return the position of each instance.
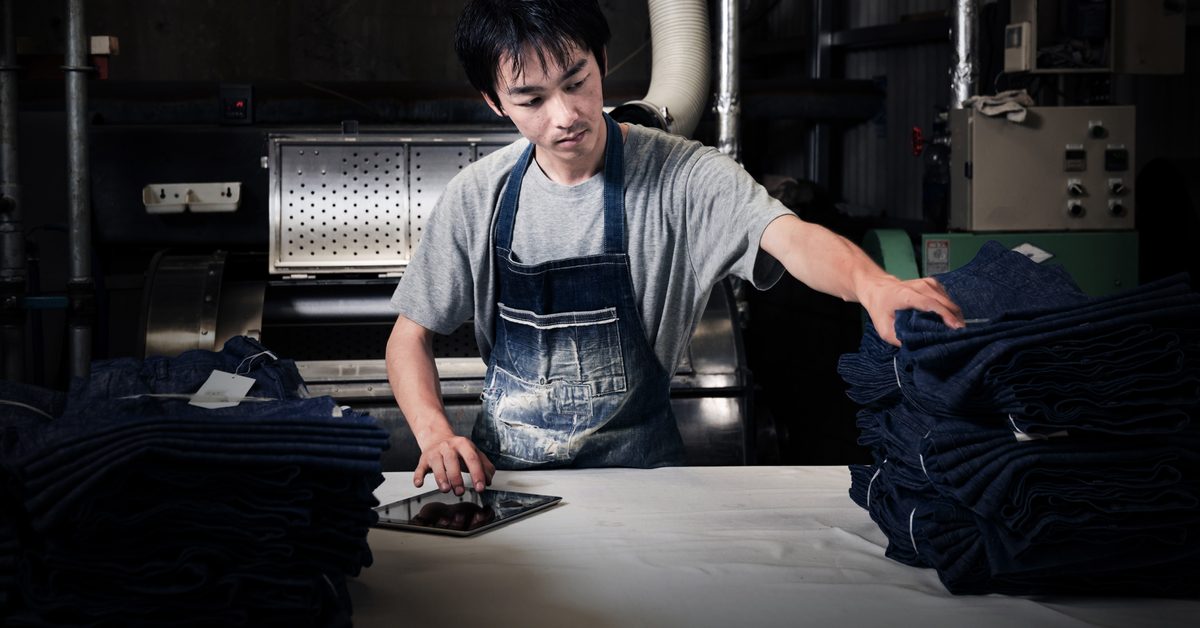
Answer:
(342, 203)
(432, 168)
(484, 150)
(354, 203)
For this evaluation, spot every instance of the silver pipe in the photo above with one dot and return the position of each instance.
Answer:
(79, 284)
(728, 97)
(13, 271)
(963, 73)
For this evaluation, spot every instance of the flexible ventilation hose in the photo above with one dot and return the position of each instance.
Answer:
(679, 83)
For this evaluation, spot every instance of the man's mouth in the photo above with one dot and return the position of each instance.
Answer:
(571, 139)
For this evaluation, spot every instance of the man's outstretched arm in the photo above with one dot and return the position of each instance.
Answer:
(830, 263)
(414, 379)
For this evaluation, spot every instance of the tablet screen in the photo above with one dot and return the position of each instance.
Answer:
(447, 513)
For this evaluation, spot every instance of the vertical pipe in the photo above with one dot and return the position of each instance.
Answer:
(821, 68)
(80, 289)
(965, 22)
(12, 237)
(729, 98)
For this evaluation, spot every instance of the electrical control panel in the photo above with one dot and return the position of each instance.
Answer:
(1061, 169)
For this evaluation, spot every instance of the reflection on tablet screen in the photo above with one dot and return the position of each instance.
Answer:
(472, 512)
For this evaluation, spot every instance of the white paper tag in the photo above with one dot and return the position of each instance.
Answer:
(1034, 253)
(221, 387)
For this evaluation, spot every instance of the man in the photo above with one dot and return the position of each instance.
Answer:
(585, 298)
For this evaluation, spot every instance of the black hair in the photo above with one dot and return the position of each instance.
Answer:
(490, 29)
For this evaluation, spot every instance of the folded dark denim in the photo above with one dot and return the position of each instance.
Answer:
(24, 406)
(924, 531)
(997, 277)
(945, 387)
(141, 510)
(982, 472)
(110, 379)
(925, 329)
(246, 598)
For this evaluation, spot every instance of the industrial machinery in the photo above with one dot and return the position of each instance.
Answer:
(1057, 183)
(1057, 186)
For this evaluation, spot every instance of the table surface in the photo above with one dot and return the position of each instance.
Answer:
(690, 546)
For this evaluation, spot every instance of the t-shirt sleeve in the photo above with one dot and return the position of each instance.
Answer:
(727, 213)
(436, 291)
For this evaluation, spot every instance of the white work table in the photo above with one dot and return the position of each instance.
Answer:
(690, 547)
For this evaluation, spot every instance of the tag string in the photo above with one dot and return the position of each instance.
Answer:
(251, 358)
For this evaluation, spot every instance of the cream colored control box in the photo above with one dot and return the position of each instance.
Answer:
(1062, 169)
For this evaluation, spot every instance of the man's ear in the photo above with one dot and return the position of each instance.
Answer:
(496, 108)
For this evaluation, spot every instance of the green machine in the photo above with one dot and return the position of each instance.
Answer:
(1056, 187)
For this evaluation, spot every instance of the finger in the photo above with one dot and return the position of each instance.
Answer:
(951, 320)
(454, 472)
(472, 458)
(437, 465)
(489, 469)
(943, 297)
(419, 474)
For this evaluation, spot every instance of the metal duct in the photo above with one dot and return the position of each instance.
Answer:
(729, 101)
(965, 22)
(679, 76)
(12, 237)
(80, 289)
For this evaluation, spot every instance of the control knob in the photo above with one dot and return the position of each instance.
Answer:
(1117, 188)
(1075, 189)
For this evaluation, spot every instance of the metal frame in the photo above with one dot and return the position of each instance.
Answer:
(80, 285)
(287, 154)
(13, 270)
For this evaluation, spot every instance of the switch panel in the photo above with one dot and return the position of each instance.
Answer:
(236, 104)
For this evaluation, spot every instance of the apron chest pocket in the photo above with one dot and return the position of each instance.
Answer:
(576, 347)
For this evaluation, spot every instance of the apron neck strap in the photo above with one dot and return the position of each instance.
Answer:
(614, 193)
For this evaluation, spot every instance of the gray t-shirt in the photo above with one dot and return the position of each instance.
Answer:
(692, 217)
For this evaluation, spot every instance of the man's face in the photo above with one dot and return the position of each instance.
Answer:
(560, 109)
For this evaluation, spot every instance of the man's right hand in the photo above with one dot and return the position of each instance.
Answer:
(412, 372)
(446, 458)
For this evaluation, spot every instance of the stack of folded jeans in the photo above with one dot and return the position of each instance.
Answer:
(1048, 447)
(136, 508)
(22, 408)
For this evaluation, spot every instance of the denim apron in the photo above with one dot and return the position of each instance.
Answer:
(572, 379)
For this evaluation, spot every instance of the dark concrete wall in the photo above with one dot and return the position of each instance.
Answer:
(308, 40)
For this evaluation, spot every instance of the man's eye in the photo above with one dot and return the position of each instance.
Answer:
(531, 103)
(576, 85)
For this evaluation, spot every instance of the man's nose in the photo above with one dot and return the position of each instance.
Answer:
(564, 115)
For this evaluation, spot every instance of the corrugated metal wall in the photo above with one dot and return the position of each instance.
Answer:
(878, 170)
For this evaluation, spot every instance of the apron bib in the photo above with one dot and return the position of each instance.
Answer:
(572, 379)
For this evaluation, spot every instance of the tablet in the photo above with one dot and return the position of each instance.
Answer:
(472, 513)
